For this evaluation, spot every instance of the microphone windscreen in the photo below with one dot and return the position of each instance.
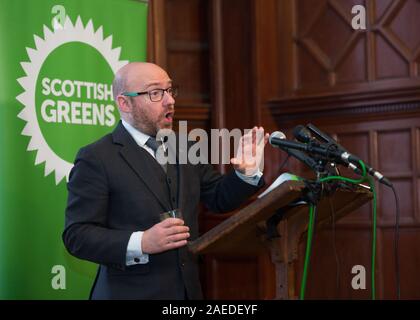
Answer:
(277, 135)
(301, 133)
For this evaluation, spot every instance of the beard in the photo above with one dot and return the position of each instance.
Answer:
(146, 122)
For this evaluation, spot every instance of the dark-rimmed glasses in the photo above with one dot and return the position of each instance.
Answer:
(155, 95)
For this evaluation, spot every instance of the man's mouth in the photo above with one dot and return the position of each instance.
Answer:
(169, 116)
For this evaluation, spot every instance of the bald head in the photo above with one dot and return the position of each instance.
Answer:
(141, 111)
(135, 76)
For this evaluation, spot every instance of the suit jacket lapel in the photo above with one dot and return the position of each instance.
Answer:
(142, 164)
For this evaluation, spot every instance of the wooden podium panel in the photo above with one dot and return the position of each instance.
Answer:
(241, 233)
(246, 231)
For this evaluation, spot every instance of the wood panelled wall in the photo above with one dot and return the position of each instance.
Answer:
(279, 63)
(179, 42)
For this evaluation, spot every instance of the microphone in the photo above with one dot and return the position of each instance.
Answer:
(277, 139)
(302, 134)
(345, 155)
(278, 135)
(321, 135)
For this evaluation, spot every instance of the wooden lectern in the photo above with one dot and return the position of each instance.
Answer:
(246, 231)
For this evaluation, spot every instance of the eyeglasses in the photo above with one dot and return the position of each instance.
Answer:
(155, 95)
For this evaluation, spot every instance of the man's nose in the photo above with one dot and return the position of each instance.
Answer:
(167, 98)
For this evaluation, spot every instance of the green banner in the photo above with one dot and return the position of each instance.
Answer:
(57, 62)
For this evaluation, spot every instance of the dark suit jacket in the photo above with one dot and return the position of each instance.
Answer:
(116, 188)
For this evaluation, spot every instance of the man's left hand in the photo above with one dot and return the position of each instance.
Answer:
(250, 153)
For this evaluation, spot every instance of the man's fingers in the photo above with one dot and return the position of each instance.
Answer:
(175, 245)
(166, 235)
(259, 135)
(266, 138)
(176, 230)
(178, 237)
(170, 222)
(250, 148)
(253, 142)
(234, 161)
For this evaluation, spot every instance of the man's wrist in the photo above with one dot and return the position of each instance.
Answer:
(251, 179)
(134, 254)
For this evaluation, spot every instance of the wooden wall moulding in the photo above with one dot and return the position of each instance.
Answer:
(373, 112)
(323, 100)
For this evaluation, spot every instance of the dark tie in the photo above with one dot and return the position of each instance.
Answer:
(153, 144)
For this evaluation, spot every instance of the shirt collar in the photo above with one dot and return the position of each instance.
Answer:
(138, 136)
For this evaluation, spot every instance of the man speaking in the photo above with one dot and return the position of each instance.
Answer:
(117, 191)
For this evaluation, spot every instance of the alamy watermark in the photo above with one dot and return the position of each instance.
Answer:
(58, 281)
(193, 147)
(59, 18)
(358, 282)
(359, 20)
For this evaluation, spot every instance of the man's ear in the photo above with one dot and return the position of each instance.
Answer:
(123, 104)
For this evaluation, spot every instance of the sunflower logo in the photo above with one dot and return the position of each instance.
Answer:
(45, 47)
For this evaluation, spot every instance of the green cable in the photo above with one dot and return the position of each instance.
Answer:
(364, 178)
(308, 251)
(372, 186)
